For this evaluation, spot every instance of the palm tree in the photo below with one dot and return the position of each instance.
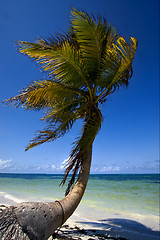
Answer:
(83, 67)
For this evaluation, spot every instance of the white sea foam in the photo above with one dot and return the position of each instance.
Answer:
(11, 197)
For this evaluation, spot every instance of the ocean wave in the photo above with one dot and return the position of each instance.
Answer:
(8, 196)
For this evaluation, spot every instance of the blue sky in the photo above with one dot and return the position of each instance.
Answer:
(129, 138)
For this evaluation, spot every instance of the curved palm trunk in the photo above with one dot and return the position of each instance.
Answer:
(71, 201)
(38, 221)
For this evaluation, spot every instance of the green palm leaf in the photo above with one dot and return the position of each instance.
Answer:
(45, 93)
(93, 36)
(62, 62)
(53, 131)
(90, 33)
(117, 66)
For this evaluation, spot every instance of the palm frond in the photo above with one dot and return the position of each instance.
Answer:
(117, 66)
(93, 35)
(38, 95)
(81, 146)
(62, 109)
(42, 47)
(53, 131)
(89, 32)
(45, 93)
(60, 120)
(62, 62)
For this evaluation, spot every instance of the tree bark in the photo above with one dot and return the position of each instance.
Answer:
(39, 220)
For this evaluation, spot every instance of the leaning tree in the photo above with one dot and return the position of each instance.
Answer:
(83, 67)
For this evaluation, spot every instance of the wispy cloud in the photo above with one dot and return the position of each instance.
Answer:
(59, 168)
(105, 169)
(146, 168)
(110, 169)
(12, 166)
(5, 163)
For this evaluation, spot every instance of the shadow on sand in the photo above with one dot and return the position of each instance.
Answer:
(125, 228)
(113, 229)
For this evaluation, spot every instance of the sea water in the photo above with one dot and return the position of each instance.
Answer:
(129, 196)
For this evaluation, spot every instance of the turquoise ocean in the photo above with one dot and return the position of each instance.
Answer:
(129, 196)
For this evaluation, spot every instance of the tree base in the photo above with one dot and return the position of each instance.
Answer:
(9, 225)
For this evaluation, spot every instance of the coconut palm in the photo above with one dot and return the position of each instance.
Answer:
(83, 67)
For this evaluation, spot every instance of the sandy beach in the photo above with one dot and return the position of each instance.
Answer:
(117, 228)
(77, 227)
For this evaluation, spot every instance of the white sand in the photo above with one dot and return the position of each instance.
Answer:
(116, 227)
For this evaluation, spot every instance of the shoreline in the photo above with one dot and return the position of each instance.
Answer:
(110, 227)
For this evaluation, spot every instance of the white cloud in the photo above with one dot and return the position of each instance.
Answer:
(110, 169)
(5, 163)
(44, 167)
(144, 168)
(11, 166)
(105, 169)
(53, 166)
(63, 164)
(59, 168)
